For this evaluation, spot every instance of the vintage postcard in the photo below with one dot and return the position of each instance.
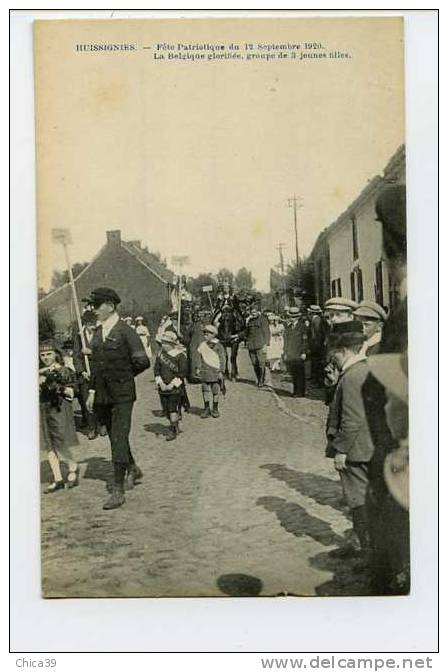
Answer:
(222, 307)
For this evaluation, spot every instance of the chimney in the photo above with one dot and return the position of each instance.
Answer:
(113, 238)
(137, 243)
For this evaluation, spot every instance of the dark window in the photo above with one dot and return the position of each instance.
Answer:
(352, 286)
(360, 285)
(355, 238)
(379, 298)
(336, 287)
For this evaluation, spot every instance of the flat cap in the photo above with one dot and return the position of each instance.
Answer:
(210, 329)
(103, 295)
(371, 309)
(340, 303)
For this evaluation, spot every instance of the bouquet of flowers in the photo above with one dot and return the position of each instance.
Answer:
(55, 384)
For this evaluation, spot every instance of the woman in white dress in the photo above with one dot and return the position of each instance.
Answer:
(143, 331)
(275, 347)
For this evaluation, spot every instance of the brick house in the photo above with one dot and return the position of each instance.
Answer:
(348, 258)
(143, 283)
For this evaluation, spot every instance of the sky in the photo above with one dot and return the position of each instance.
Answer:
(199, 159)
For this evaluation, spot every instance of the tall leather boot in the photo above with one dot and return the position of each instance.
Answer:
(117, 497)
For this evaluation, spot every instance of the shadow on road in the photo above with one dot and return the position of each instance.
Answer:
(194, 410)
(239, 585)
(297, 521)
(345, 580)
(98, 469)
(157, 428)
(323, 490)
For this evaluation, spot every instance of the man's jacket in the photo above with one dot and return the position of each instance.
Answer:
(115, 362)
(347, 428)
(258, 334)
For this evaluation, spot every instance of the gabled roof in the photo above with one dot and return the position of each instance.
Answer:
(150, 261)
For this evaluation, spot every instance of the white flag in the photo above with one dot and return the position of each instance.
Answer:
(62, 236)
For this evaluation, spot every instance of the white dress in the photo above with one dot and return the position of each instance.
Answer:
(275, 347)
(143, 331)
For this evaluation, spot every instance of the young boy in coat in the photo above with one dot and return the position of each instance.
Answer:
(170, 369)
(349, 441)
(211, 367)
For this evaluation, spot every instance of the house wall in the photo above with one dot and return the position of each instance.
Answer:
(370, 246)
(334, 249)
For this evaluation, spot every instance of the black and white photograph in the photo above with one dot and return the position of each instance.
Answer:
(222, 308)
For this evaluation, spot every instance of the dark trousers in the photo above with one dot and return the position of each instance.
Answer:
(117, 418)
(317, 365)
(258, 359)
(390, 542)
(234, 345)
(296, 369)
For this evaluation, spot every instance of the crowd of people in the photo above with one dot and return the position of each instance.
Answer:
(357, 354)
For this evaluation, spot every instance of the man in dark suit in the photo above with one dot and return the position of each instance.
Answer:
(296, 350)
(349, 440)
(258, 337)
(117, 355)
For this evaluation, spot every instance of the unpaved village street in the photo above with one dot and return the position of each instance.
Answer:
(245, 504)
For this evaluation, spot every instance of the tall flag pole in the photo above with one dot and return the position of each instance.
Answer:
(63, 237)
(180, 262)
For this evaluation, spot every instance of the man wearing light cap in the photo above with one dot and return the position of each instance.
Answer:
(373, 317)
(117, 356)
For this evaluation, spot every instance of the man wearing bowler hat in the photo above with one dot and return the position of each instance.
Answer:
(338, 309)
(349, 440)
(295, 350)
(117, 356)
(373, 317)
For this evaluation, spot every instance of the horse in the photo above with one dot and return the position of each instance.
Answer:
(230, 324)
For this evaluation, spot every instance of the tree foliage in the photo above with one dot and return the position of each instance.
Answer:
(224, 275)
(195, 285)
(61, 278)
(244, 279)
(47, 327)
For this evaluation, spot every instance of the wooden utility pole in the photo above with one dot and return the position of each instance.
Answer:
(280, 247)
(292, 203)
(63, 237)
